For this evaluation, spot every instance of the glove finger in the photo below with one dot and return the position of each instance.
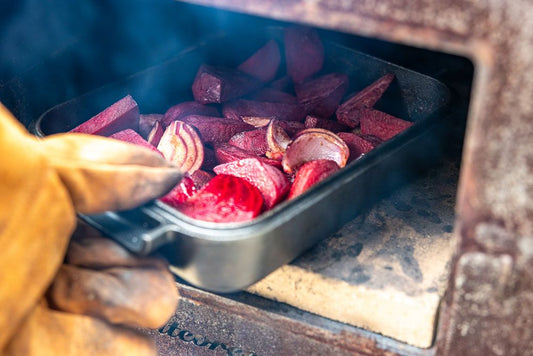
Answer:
(99, 183)
(90, 250)
(49, 332)
(98, 149)
(132, 296)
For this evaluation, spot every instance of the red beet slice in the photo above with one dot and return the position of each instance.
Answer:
(282, 111)
(357, 144)
(274, 96)
(155, 134)
(264, 63)
(181, 145)
(219, 85)
(277, 140)
(216, 129)
(181, 192)
(312, 144)
(131, 136)
(124, 114)
(347, 112)
(254, 141)
(382, 125)
(201, 178)
(223, 199)
(147, 122)
(186, 108)
(228, 153)
(321, 96)
(304, 52)
(272, 183)
(310, 174)
(333, 126)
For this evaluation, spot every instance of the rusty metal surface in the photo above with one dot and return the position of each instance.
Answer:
(496, 185)
(243, 324)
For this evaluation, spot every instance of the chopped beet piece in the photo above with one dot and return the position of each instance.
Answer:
(272, 183)
(210, 159)
(147, 122)
(253, 141)
(219, 85)
(282, 111)
(228, 153)
(310, 174)
(321, 96)
(331, 125)
(264, 63)
(201, 178)
(274, 96)
(347, 112)
(382, 125)
(131, 136)
(186, 108)
(357, 144)
(304, 52)
(181, 192)
(284, 83)
(124, 114)
(216, 129)
(224, 198)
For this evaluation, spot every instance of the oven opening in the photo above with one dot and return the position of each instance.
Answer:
(378, 280)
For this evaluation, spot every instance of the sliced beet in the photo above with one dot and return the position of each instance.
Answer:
(181, 192)
(304, 52)
(155, 134)
(311, 173)
(284, 83)
(253, 141)
(219, 85)
(274, 96)
(224, 198)
(282, 111)
(292, 127)
(216, 129)
(131, 136)
(312, 144)
(347, 112)
(186, 108)
(124, 114)
(181, 145)
(264, 63)
(357, 144)
(228, 153)
(382, 125)
(147, 122)
(331, 125)
(321, 96)
(272, 183)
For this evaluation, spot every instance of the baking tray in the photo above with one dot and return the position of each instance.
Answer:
(230, 257)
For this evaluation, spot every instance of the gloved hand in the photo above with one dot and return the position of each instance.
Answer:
(42, 184)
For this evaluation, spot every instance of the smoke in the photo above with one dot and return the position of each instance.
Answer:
(55, 50)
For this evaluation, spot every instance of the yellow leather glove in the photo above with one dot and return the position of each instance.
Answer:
(42, 184)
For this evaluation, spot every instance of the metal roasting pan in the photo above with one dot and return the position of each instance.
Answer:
(230, 257)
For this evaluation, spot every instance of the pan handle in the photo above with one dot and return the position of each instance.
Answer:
(140, 230)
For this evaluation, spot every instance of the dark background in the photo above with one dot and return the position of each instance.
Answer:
(55, 50)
